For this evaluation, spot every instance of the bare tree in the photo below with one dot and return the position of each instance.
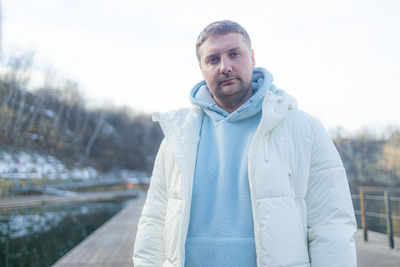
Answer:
(391, 158)
(94, 136)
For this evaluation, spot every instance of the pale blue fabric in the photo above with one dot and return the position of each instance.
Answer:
(221, 222)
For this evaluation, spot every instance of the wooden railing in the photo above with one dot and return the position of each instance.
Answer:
(388, 215)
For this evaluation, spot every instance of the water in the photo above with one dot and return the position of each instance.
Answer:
(39, 236)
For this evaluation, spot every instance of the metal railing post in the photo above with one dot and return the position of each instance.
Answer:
(388, 205)
(363, 223)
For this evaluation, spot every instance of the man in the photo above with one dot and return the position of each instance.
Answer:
(243, 178)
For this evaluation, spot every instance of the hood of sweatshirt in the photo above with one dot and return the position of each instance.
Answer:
(261, 83)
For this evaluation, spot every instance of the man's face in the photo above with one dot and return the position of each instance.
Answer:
(227, 63)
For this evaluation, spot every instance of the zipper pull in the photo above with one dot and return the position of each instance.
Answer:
(266, 159)
(291, 181)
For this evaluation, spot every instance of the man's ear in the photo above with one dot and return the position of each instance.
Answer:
(252, 57)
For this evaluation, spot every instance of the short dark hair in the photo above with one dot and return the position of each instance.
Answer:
(220, 27)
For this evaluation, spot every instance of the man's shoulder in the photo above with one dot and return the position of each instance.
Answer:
(300, 123)
(180, 123)
(299, 116)
(178, 114)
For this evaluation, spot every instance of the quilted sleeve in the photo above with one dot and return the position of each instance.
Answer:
(331, 222)
(149, 243)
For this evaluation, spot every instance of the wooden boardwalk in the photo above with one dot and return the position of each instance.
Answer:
(112, 244)
(376, 252)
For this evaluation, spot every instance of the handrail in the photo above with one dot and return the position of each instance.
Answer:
(387, 215)
(376, 197)
(376, 215)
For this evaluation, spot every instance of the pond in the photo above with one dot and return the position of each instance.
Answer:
(39, 236)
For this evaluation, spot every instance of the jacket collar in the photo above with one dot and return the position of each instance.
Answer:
(182, 131)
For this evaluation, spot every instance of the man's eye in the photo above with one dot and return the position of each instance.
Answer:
(235, 54)
(212, 60)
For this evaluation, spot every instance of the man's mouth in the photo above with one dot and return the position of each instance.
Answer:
(228, 81)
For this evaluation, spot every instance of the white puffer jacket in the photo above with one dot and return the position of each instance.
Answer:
(302, 209)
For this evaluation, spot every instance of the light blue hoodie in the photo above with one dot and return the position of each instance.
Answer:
(221, 222)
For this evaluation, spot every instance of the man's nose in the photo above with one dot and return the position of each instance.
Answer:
(226, 66)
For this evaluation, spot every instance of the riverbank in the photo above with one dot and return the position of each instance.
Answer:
(37, 200)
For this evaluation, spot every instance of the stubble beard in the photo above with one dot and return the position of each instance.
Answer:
(235, 98)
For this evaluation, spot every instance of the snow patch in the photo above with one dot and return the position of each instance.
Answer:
(37, 165)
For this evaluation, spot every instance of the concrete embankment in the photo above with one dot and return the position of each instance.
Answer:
(36, 200)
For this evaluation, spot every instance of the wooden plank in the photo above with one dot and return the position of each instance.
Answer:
(111, 244)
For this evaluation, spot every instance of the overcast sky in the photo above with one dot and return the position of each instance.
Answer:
(340, 59)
